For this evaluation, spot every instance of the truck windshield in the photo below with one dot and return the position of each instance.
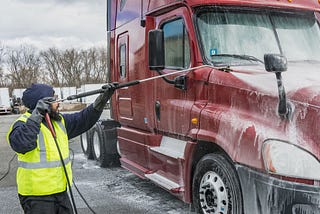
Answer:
(238, 38)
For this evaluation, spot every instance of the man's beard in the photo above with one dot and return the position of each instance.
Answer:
(55, 115)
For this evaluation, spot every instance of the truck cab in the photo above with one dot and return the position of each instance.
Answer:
(236, 129)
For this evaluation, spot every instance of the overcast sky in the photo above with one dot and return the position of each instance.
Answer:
(53, 23)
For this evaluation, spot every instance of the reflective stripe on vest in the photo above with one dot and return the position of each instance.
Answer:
(45, 164)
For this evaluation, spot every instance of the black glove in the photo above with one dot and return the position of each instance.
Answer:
(103, 98)
(43, 106)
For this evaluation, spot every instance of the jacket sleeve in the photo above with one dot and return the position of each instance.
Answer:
(23, 137)
(79, 122)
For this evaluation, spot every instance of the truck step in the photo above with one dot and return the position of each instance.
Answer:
(134, 167)
(164, 182)
(171, 147)
(167, 152)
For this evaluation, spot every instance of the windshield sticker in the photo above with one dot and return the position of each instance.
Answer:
(213, 51)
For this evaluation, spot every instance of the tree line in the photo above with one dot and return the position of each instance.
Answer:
(20, 67)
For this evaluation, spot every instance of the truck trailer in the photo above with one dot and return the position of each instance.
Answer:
(5, 106)
(237, 131)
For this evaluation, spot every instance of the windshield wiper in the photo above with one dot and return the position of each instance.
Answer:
(245, 57)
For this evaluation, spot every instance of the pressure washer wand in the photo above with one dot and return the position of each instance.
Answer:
(85, 94)
(127, 84)
(135, 82)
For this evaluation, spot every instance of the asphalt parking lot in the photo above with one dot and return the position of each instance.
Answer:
(107, 190)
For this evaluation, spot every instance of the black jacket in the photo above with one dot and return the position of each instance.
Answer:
(24, 135)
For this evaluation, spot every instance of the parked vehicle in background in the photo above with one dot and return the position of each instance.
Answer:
(16, 104)
(238, 131)
(17, 93)
(5, 105)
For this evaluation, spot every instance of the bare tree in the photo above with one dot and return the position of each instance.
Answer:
(56, 67)
(100, 66)
(2, 52)
(24, 66)
(51, 59)
(94, 61)
(3, 78)
(87, 66)
(71, 67)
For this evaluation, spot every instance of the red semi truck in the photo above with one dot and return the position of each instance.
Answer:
(237, 131)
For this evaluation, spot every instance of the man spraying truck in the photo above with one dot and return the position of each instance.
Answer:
(238, 131)
(44, 169)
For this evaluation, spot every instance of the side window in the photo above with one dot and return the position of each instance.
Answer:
(122, 60)
(176, 44)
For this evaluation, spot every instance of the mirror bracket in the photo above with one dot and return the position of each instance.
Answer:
(181, 82)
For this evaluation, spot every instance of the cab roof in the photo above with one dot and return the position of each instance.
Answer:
(290, 4)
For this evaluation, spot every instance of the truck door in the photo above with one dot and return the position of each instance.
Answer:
(123, 96)
(173, 105)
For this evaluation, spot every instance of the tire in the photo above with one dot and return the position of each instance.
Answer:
(85, 141)
(216, 186)
(97, 142)
(100, 153)
(15, 111)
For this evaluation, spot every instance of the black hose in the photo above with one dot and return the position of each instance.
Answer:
(50, 126)
(66, 173)
(84, 200)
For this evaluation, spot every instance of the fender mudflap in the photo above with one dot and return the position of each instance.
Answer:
(109, 131)
(109, 124)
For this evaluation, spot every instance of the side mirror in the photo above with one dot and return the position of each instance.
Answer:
(156, 50)
(275, 63)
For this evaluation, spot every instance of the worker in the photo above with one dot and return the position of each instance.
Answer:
(41, 181)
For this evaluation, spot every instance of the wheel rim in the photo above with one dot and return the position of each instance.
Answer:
(84, 142)
(213, 194)
(96, 144)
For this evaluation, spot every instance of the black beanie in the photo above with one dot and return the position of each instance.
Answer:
(36, 92)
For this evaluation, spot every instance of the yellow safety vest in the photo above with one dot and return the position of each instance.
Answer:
(40, 171)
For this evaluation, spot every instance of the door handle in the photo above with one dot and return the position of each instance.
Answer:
(157, 109)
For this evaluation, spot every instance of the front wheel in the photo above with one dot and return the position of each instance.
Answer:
(216, 188)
